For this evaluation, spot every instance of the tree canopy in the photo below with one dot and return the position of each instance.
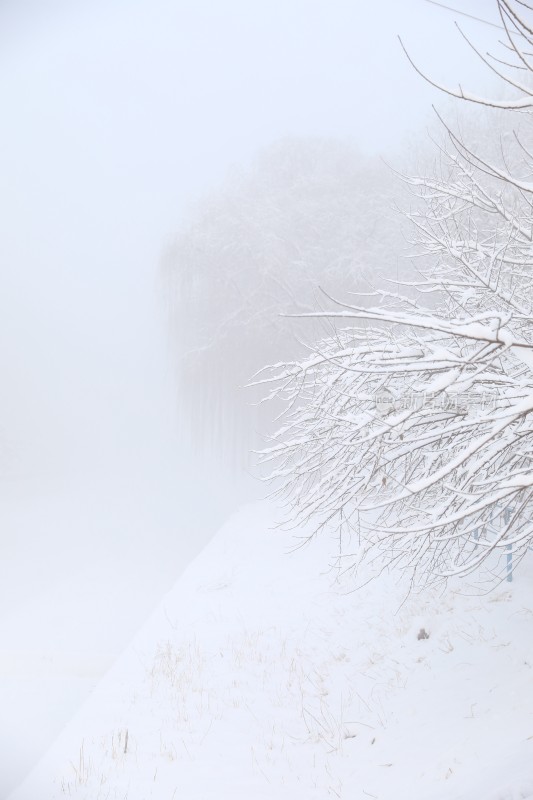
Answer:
(413, 419)
(308, 212)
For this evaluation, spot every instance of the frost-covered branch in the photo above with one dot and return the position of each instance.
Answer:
(419, 415)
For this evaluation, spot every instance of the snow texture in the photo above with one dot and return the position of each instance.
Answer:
(262, 675)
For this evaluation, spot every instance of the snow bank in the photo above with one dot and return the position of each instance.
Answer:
(262, 676)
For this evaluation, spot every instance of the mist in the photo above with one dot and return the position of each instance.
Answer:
(117, 118)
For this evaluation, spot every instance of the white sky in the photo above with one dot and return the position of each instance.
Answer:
(114, 117)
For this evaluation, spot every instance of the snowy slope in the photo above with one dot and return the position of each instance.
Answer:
(261, 676)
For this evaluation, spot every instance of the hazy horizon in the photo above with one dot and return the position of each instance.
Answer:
(117, 117)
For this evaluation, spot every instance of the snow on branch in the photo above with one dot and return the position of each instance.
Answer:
(415, 418)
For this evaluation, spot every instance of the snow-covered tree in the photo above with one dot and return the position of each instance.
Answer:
(253, 253)
(415, 416)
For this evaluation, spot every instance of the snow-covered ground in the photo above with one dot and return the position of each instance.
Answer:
(262, 675)
(84, 563)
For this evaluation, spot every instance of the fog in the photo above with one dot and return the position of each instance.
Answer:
(116, 118)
